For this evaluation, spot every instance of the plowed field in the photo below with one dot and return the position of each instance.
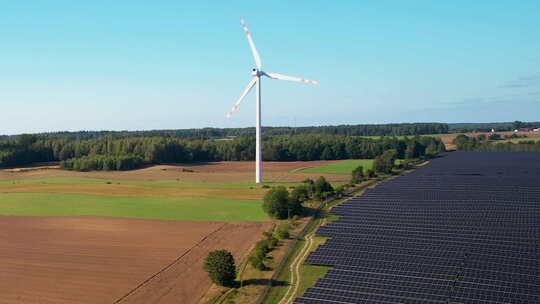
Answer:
(112, 260)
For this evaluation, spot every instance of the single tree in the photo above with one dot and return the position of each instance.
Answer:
(220, 267)
(357, 175)
(276, 203)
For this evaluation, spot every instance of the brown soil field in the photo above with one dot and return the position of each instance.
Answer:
(112, 260)
(234, 171)
(133, 190)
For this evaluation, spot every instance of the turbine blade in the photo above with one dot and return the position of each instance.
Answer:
(290, 78)
(256, 55)
(246, 91)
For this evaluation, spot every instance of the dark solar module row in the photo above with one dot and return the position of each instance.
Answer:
(430, 206)
(463, 229)
(499, 292)
(457, 195)
(434, 205)
(411, 287)
(520, 224)
(404, 272)
(347, 296)
(359, 240)
(530, 259)
(444, 270)
(519, 236)
(526, 233)
(420, 235)
(514, 213)
(370, 275)
(404, 291)
(480, 251)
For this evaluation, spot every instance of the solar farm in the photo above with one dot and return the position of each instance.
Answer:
(463, 229)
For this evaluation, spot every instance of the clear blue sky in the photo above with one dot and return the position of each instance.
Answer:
(129, 65)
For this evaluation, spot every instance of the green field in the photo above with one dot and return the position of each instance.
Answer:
(341, 167)
(168, 208)
(165, 183)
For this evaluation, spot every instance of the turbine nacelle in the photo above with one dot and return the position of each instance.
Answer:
(256, 72)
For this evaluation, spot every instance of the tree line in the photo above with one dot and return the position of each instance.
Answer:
(402, 129)
(486, 127)
(466, 143)
(110, 153)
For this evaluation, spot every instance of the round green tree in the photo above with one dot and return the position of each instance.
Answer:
(220, 267)
(276, 203)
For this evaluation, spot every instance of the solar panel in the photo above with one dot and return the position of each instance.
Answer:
(463, 229)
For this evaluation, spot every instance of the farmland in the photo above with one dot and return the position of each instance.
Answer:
(129, 236)
(207, 192)
(342, 167)
(167, 208)
(106, 259)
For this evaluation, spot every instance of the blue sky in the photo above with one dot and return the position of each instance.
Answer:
(129, 65)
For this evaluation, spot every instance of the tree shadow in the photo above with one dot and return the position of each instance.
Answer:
(308, 211)
(264, 282)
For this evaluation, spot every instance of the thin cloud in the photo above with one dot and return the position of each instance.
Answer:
(523, 82)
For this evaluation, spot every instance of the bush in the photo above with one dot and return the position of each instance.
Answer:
(262, 247)
(257, 262)
(300, 193)
(340, 190)
(267, 235)
(321, 185)
(283, 232)
(357, 175)
(371, 173)
(220, 267)
(495, 137)
(273, 242)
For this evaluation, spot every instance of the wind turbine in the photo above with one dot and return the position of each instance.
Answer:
(257, 73)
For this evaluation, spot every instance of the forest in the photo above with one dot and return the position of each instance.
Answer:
(404, 129)
(109, 153)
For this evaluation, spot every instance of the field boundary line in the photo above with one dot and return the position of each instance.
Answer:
(175, 261)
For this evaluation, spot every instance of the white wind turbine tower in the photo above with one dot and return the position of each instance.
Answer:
(257, 74)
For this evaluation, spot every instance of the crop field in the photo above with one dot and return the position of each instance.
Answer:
(340, 167)
(129, 236)
(223, 173)
(112, 260)
(207, 192)
(167, 208)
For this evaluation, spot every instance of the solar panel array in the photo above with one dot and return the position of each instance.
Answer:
(463, 229)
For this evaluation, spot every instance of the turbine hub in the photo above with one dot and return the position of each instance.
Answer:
(256, 72)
